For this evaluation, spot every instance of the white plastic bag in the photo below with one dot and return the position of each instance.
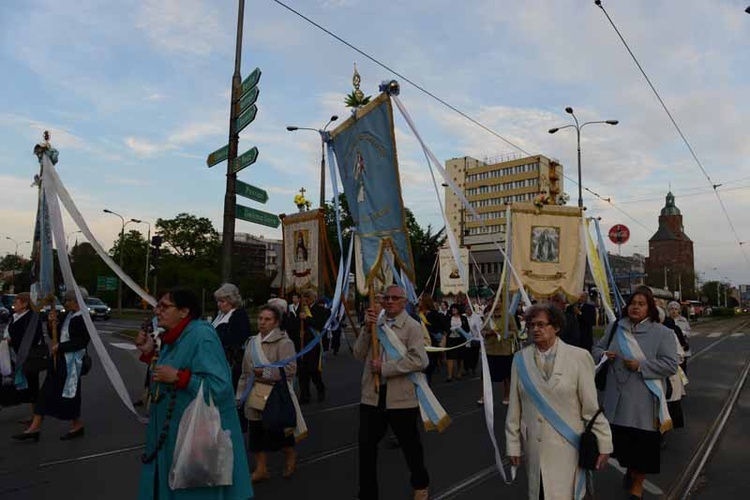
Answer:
(203, 454)
(6, 367)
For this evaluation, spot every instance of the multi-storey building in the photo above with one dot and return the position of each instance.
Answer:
(489, 185)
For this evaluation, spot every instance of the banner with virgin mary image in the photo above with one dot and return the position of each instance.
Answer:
(547, 249)
(302, 250)
(365, 148)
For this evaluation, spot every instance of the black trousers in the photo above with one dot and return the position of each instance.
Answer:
(306, 374)
(373, 423)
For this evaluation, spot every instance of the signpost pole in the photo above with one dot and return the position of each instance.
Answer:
(229, 197)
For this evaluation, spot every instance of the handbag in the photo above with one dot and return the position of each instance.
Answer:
(38, 358)
(600, 379)
(86, 363)
(280, 412)
(258, 397)
(588, 450)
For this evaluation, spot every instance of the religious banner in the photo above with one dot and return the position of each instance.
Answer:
(547, 249)
(302, 250)
(450, 279)
(383, 275)
(365, 148)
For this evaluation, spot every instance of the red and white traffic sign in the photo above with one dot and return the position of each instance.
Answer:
(619, 234)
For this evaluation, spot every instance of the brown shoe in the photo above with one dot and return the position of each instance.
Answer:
(259, 476)
(421, 494)
(291, 463)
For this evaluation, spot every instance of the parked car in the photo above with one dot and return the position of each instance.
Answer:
(45, 310)
(6, 301)
(4, 314)
(97, 308)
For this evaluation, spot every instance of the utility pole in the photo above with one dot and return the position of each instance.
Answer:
(230, 198)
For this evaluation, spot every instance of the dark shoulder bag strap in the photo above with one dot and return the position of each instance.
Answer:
(612, 333)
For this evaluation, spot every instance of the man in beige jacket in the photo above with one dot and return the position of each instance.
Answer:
(394, 402)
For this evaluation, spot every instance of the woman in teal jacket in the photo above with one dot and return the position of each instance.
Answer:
(191, 354)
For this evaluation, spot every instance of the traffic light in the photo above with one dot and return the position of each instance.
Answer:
(153, 268)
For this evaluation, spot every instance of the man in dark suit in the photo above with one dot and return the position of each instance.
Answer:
(570, 333)
(310, 316)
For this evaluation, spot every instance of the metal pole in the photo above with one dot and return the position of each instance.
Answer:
(718, 294)
(580, 186)
(119, 281)
(322, 172)
(148, 251)
(234, 138)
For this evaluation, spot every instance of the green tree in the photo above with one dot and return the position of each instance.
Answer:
(347, 223)
(87, 267)
(189, 237)
(11, 262)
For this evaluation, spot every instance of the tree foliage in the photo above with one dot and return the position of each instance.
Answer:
(189, 237)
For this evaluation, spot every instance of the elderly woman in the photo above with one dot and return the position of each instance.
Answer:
(684, 325)
(552, 398)
(30, 351)
(271, 345)
(641, 354)
(60, 396)
(191, 356)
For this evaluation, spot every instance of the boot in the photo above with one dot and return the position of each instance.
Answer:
(290, 464)
(421, 494)
(261, 469)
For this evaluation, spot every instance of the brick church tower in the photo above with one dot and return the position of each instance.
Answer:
(670, 263)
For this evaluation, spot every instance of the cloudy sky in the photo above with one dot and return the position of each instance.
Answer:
(136, 94)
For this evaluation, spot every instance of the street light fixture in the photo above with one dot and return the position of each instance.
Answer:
(17, 243)
(122, 248)
(322, 132)
(148, 242)
(578, 128)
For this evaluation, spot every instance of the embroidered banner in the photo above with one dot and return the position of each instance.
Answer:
(450, 276)
(303, 250)
(547, 249)
(365, 148)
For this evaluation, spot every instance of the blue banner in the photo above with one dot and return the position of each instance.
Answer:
(365, 148)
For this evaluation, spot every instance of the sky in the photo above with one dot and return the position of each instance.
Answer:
(136, 94)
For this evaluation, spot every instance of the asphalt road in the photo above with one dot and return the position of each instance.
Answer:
(105, 463)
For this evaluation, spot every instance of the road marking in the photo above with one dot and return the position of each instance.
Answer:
(707, 348)
(89, 457)
(647, 485)
(328, 454)
(714, 335)
(468, 483)
(333, 408)
(738, 334)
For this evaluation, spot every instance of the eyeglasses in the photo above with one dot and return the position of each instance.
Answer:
(163, 307)
(540, 324)
(392, 298)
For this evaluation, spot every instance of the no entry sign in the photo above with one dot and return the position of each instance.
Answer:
(619, 234)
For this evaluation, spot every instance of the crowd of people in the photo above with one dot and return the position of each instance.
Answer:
(544, 355)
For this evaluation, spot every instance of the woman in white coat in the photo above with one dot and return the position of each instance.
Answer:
(552, 398)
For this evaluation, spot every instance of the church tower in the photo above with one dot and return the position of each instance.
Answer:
(670, 263)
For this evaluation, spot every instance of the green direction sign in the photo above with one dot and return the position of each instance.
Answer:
(106, 283)
(249, 99)
(218, 156)
(245, 159)
(257, 216)
(246, 118)
(252, 192)
(251, 81)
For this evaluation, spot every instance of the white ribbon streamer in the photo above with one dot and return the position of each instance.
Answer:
(51, 183)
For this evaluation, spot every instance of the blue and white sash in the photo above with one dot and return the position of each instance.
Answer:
(260, 359)
(434, 417)
(628, 344)
(545, 401)
(73, 360)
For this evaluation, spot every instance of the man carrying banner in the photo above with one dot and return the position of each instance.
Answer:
(394, 402)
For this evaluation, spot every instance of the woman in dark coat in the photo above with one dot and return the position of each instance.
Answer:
(35, 350)
(60, 396)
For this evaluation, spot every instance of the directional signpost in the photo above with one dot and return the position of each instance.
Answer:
(248, 99)
(218, 156)
(246, 118)
(257, 216)
(251, 81)
(252, 192)
(245, 159)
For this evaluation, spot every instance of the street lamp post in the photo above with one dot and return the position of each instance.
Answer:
(322, 133)
(122, 248)
(148, 242)
(578, 128)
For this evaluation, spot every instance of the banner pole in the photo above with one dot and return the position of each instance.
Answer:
(374, 338)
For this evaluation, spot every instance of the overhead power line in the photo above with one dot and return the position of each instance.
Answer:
(710, 181)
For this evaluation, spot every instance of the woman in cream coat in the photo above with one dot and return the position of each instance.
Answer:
(564, 376)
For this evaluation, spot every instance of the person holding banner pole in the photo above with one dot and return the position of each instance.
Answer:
(552, 400)
(394, 402)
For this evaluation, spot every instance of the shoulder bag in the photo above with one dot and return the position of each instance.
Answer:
(258, 397)
(279, 413)
(600, 379)
(86, 363)
(588, 451)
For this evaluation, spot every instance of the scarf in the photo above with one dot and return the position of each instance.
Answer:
(171, 336)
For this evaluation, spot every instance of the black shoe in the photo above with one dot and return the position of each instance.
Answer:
(73, 434)
(27, 436)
